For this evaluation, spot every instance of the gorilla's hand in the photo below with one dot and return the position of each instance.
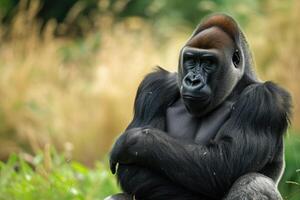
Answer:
(129, 146)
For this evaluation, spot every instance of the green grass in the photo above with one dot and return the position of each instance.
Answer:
(290, 182)
(48, 176)
(58, 180)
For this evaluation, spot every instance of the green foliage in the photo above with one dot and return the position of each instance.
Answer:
(6, 8)
(49, 8)
(64, 181)
(290, 183)
(189, 13)
(81, 15)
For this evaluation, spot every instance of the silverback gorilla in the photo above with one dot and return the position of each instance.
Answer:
(211, 131)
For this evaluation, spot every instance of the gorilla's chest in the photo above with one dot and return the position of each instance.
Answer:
(182, 125)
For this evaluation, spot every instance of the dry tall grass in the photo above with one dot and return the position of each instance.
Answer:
(68, 93)
(276, 38)
(78, 95)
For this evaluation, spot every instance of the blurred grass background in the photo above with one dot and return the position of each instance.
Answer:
(69, 71)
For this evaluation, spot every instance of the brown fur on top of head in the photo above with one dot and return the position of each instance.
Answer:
(210, 38)
(222, 21)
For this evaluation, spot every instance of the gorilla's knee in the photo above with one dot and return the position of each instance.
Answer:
(121, 196)
(254, 186)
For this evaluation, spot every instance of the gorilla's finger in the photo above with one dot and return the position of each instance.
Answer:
(112, 165)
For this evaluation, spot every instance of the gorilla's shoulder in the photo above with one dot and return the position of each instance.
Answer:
(160, 85)
(159, 79)
(264, 105)
(156, 92)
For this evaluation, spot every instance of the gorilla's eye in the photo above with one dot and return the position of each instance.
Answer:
(236, 58)
(208, 65)
(190, 63)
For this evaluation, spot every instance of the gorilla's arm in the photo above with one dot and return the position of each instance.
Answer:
(155, 93)
(246, 143)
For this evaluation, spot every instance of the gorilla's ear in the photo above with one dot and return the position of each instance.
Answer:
(222, 21)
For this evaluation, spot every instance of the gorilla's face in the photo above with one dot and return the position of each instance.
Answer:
(210, 66)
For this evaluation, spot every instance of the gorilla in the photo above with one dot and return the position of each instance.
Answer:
(211, 131)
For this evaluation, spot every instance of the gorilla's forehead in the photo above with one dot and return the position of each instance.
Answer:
(210, 38)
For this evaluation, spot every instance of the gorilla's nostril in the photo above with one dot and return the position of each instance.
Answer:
(196, 82)
(188, 81)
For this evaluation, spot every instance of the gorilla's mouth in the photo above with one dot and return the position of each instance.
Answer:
(199, 98)
(196, 95)
(196, 105)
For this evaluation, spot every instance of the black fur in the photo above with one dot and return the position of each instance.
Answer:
(248, 141)
(242, 161)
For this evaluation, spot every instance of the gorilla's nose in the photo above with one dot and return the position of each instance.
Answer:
(193, 81)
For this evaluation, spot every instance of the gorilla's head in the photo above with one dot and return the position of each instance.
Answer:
(212, 63)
